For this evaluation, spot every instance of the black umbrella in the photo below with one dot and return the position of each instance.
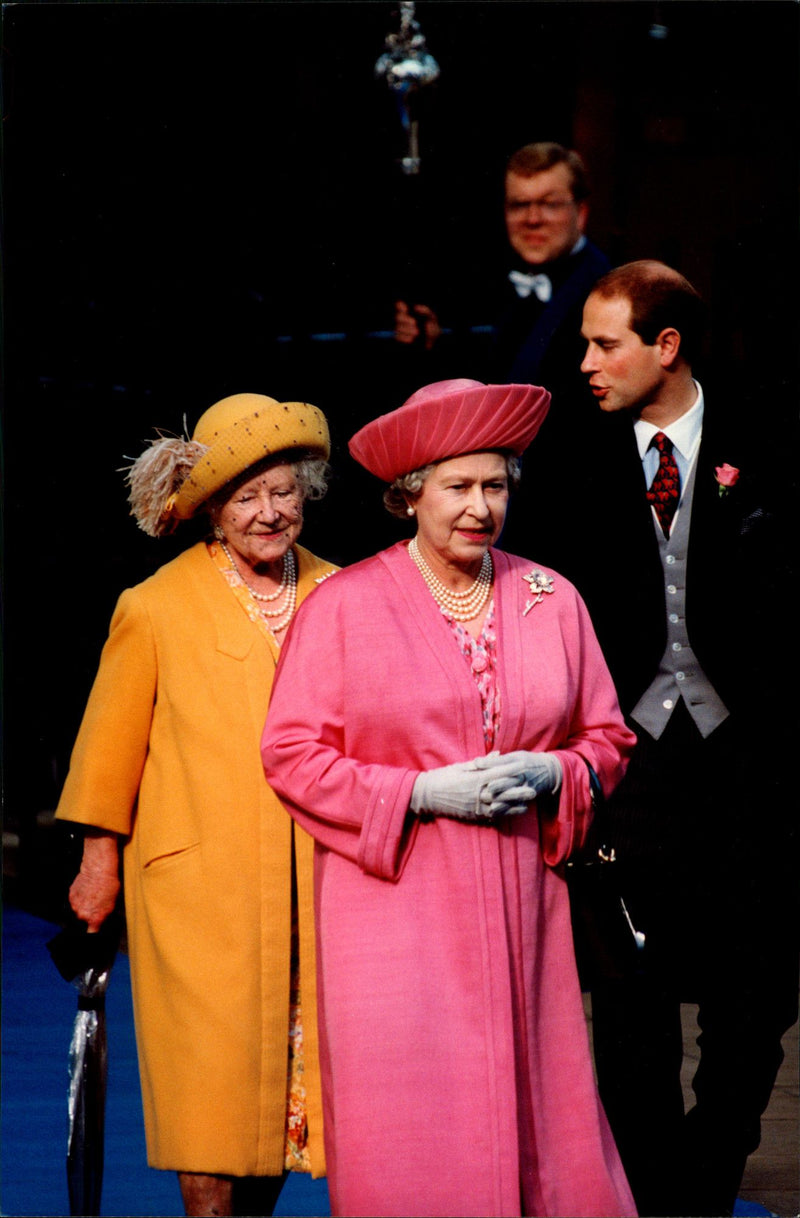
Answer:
(86, 960)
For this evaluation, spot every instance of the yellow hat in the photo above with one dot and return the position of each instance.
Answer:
(241, 430)
(174, 477)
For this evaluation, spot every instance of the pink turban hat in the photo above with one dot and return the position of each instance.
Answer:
(447, 419)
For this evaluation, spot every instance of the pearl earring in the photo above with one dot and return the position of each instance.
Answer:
(409, 511)
(218, 533)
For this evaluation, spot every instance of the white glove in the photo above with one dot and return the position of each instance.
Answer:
(542, 771)
(467, 792)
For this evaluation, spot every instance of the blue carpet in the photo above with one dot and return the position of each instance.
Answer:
(38, 1013)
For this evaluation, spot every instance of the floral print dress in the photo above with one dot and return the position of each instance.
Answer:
(481, 655)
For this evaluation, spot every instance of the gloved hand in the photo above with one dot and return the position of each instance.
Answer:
(467, 792)
(542, 771)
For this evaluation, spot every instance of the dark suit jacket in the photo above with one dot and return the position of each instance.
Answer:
(715, 817)
(741, 577)
(540, 344)
(495, 336)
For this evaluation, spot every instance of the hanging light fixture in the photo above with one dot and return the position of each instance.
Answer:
(406, 65)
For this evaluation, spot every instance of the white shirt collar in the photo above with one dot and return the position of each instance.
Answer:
(683, 432)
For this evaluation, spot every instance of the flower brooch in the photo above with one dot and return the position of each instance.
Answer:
(540, 584)
(726, 476)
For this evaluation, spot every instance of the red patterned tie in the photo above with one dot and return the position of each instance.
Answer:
(665, 489)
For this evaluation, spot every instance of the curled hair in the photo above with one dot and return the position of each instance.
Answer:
(407, 488)
(536, 158)
(311, 474)
(660, 298)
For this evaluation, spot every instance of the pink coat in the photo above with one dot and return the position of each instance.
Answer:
(457, 1075)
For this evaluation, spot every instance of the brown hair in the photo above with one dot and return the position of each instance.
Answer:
(660, 298)
(536, 158)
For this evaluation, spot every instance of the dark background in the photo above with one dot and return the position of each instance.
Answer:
(196, 195)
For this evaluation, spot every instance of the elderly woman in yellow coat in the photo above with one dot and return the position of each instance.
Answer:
(218, 881)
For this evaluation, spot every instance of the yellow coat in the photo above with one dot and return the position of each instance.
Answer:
(168, 755)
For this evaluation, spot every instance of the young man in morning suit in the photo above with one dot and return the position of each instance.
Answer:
(689, 575)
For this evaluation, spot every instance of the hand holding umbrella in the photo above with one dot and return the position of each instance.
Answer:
(94, 891)
(85, 959)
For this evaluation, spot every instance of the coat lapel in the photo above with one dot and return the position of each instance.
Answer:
(716, 518)
(509, 608)
(236, 634)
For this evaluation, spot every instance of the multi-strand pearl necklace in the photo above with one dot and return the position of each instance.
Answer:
(463, 606)
(280, 617)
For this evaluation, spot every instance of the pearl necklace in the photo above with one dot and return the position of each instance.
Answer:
(280, 617)
(463, 606)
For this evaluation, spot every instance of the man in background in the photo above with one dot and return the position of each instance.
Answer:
(536, 302)
(532, 306)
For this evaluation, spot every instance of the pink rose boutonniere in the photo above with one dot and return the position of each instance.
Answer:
(726, 476)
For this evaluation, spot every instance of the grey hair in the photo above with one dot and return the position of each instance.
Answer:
(312, 475)
(407, 488)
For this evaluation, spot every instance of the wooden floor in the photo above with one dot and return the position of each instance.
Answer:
(772, 1176)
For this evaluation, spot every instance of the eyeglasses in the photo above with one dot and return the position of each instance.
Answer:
(550, 208)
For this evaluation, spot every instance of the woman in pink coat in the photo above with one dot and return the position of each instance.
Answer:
(437, 712)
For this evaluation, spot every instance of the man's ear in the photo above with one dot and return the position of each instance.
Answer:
(669, 340)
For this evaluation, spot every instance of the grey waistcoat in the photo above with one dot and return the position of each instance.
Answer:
(679, 674)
